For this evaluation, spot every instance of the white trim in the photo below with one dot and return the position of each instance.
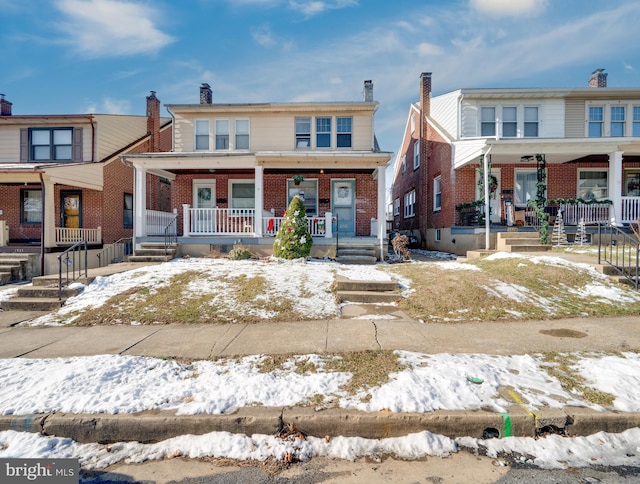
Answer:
(203, 183)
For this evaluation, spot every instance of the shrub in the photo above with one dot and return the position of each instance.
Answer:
(239, 252)
(293, 239)
(400, 246)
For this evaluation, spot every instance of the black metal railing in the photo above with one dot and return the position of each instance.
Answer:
(620, 250)
(116, 252)
(170, 234)
(74, 260)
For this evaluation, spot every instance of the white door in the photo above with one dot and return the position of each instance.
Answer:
(204, 199)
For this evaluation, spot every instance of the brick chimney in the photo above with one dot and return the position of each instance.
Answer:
(153, 121)
(206, 96)
(368, 91)
(598, 78)
(425, 110)
(5, 106)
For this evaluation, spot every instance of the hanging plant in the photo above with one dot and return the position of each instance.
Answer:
(297, 179)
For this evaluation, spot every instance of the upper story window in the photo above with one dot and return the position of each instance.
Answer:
(636, 121)
(404, 163)
(410, 204)
(303, 132)
(531, 121)
(437, 193)
(487, 121)
(343, 126)
(242, 134)
(222, 134)
(617, 120)
(54, 144)
(509, 122)
(416, 155)
(396, 206)
(202, 134)
(596, 120)
(323, 132)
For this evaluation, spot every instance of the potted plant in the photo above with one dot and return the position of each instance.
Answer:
(297, 179)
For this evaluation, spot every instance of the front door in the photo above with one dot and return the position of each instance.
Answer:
(71, 209)
(344, 200)
(204, 198)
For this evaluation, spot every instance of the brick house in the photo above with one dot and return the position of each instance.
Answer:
(62, 179)
(582, 143)
(234, 168)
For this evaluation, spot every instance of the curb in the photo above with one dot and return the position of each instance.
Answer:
(154, 426)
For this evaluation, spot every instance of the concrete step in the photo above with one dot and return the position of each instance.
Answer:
(149, 258)
(357, 259)
(519, 241)
(5, 277)
(47, 292)
(31, 304)
(344, 284)
(52, 280)
(371, 251)
(521, 235)
(369, 296)
(528, 248)
(155, 252)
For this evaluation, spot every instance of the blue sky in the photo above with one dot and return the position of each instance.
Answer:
(104, 56)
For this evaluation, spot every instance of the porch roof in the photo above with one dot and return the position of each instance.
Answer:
(556, 150)
(85, 175)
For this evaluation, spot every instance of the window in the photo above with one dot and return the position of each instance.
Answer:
(51, 144)
(636, 121)
(222, 134)
(242, 194)
(617, 120)
(632, 183)
(410, 204)
(202, 134)
(307, 190)
(303, 132)
(30, 206)
(595, 121)
(242, 134)
(396, 206)
(487, 121)
(404, 163)
(416, 155)
(437, 194)
(593, 184)
(525, 186)
(438, 235)
(127, 215)
(343, 132)
(509, 122)
(530, 122)
(323, 132)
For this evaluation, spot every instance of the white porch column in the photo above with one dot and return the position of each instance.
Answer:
(259, 199)
(50, 216)
(328, 225)
(615, 187)
(186, 222)
(382, 222)
(140, 203)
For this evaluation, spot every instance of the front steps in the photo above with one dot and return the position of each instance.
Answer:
(520, 242)
(354, 253)
(42, 295)
(13, 267)
(153, 252)
(368, 292)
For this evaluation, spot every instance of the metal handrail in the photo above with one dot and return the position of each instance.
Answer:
(170, 234)
(70, 256)
(116, 252)
(622, 253)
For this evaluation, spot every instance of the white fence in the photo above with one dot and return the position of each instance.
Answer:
(316, 225)
(68, 236)
(158, 221)
(630, 209)
(220, 221)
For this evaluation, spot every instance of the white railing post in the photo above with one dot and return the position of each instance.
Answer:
(185, 220)
(328, 227)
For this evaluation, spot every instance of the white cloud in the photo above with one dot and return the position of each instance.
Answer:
(314, 7)
(108, 106)
(425, 49)
(111, 28)
(509, 8)
(263, 36)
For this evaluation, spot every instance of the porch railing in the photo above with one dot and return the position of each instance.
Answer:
(221, 221)
(158, 221)
(316, 226)
(72, 263)
(66, 235)
(116, 252)
(630, 210)
(621, 251)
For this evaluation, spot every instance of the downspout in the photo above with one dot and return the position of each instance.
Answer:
(487, 214)
(42, 229)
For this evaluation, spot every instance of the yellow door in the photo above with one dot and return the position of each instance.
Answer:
(71, 204)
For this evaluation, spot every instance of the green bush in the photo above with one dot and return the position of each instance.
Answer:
(293, 239)
(239, 252)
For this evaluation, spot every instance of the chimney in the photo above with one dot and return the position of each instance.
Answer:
(5, 106)
(368, 91)
(206, 96)
(598, 79)
(425, 93)
(153, 121)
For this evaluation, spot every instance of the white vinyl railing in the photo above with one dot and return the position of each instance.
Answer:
(158, 221)
(630, 209)
(592, 213)
(221, 221)
(316, 225)
(65, 235)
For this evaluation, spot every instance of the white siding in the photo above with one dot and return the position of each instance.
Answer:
(469, 119)
(444, 110)
(113, 133)
(552, 116)
(10, 144)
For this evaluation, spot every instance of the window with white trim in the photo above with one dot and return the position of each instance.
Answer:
(593, 184)
(303, 132)
(404, 163)
(531, 121)
(344, 131)
(396, 206)
(416, 155)
(509, 122)
(410, 204)
(437, 193)
(438, 235)
(307, 190)
(617, 120)
(202, 134)
(323, 132)
(242, 134)
(596, 121)
(487, 121)
(636, 121)
(525, 186)
(242, 195)
(31, 206)
(222, 134)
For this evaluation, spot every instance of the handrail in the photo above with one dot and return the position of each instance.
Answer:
(622, 253)
(170, 234)
(116, 252)
(70, 256)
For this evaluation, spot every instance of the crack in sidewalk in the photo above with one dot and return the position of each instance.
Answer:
(375, 334)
